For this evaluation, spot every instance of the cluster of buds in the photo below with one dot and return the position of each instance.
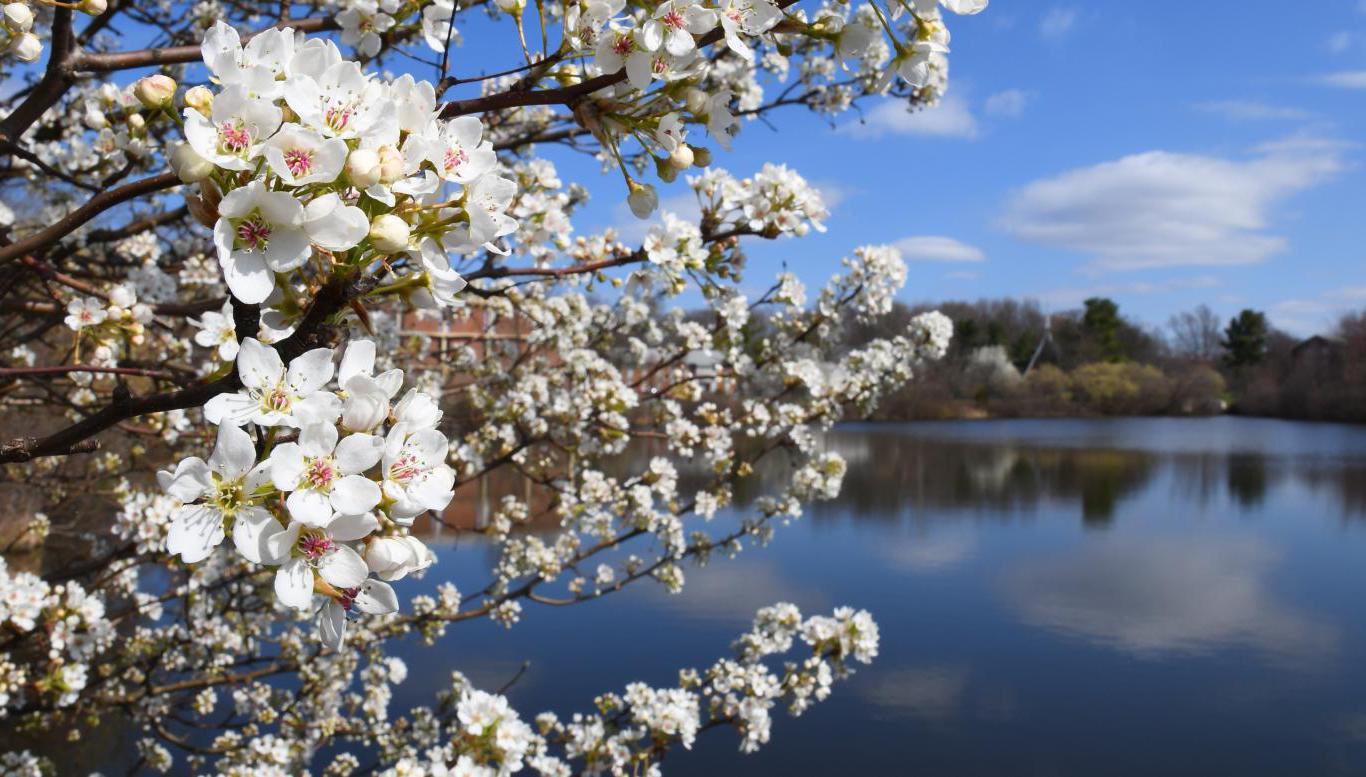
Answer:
(17, 21)
(21, 42)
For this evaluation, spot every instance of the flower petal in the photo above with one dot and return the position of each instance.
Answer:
(343, 568)
(349, 528)
(258, 365)
(190, 480)
(311, 371)
(359, 359)
(294, 584)
(332, 625)
(247, 276)
(252, 529)
(234, 455)
(317, 439)
(286, 466)
(353, 495)
(195, 532)
(277, 547)
(359, 452)
(310, 507)
(376, 598)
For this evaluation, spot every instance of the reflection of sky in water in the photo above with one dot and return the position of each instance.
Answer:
(1056, 598)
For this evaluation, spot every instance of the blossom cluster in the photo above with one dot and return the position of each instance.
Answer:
(71, 625)
(330, 506)
(365, 175)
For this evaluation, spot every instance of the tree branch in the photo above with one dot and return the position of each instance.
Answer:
(97, 205)
(334, 295)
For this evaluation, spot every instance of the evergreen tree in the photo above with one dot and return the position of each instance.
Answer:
(1245, 338)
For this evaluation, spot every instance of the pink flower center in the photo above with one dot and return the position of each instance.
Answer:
(253, 233)
(623, 45)
(320, 473)
(673, 19)
(299, 161)
(277, 400)
(315, 546)
(659, 66)
(405, 468)
(234, 138)
(338, 117)
(455, 157)
(348, 597)
(736, 15)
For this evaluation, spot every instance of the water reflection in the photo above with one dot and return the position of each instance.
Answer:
(915, 469)
(1060, 597)
(1151, 596)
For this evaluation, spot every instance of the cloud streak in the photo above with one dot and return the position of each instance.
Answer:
(935, 248)
(951, 118)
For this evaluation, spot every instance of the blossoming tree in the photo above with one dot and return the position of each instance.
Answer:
(257, 293)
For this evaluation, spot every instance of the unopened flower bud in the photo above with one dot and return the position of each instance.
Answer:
(665, 169)
(95, 119)
(93, 7)
(701, 155)
(155, 91)
(643, 199)
(513, 7)
(201, 211)
(188, 164)
(390, 164)
(200, 99)
(136, 124)
(18, 17)
(682, 157)
(389, 234)
(362, 167)
(695, 100)
(26, 47)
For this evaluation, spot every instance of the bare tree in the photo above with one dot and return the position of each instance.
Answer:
(1195, 334)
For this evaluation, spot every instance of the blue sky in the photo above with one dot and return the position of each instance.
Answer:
(1163, 154)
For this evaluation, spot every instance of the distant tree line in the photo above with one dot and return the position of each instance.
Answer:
(1009, 358)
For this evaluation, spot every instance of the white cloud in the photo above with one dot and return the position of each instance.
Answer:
(1345, 79)
(1010, 103)
(1252, 110)
(1164, 209)
(951, 118)
(934, 248)
(833, 193)
(1317, 315)
(1057, 23)
(1340, 41)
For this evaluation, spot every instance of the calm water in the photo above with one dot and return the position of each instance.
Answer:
(1117, 597)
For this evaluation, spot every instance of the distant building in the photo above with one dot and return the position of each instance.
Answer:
(1318, 351)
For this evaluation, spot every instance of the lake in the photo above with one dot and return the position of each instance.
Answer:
(1055, 597)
